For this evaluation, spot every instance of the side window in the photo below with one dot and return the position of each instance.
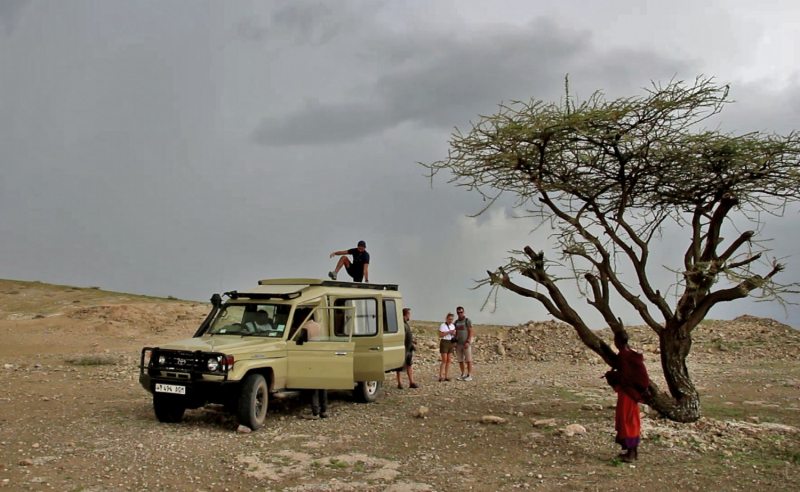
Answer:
(300, 314)
(389, 316)
(365, 323)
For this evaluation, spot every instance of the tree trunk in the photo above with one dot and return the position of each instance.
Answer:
(682, 404)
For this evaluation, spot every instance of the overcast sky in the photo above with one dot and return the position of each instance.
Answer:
(190, 147)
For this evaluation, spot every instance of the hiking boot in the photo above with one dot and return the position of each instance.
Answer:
(468, 377)
(324, 415)
(332, 275)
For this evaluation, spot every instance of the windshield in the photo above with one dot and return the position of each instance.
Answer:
(262, 320)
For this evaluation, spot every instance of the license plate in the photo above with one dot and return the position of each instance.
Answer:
(170, 388)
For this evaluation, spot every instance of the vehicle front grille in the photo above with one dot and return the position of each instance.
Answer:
(177, 361)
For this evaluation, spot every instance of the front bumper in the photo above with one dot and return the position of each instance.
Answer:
(187, 369)
(197, 390)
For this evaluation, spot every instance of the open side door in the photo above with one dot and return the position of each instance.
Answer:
(394, 348)
(361, 324)
(323, 362)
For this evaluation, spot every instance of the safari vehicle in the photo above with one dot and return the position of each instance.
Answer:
(255, 345)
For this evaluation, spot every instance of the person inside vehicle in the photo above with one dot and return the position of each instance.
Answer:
(260, 323)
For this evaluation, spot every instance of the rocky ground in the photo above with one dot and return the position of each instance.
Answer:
(537, 415)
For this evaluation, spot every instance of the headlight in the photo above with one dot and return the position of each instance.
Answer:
(146, 357)
(162, 360)
(213, 364)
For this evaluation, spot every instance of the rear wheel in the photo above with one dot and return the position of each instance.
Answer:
(169, 408)
(367, 391)
(253, 401)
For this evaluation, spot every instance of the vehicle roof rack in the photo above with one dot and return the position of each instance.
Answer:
(358, 285)
(326, 283)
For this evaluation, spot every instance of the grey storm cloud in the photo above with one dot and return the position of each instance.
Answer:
(440, 80)
(186, 147)
(10, 10)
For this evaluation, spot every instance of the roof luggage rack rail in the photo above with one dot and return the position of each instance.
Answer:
(302, 283)
(358, 285)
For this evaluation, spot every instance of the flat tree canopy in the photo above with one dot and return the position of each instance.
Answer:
(608, 176)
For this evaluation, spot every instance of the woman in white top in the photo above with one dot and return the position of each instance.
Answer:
(447, 333)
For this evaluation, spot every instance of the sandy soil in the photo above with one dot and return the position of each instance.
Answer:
(66, 425)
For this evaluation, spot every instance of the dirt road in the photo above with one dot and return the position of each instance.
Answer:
(68, 425)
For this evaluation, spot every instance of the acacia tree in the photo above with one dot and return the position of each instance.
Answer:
(608, 177)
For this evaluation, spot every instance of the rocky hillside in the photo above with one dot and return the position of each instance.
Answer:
(741, 339)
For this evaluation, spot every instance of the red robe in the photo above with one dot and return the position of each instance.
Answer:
(628, 423)
(630, 381)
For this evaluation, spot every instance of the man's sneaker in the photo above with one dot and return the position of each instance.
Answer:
(332, 275)
(461, 378)
(310, 416)
(468, 377)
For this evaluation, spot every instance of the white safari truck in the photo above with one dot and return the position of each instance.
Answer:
(255, 345)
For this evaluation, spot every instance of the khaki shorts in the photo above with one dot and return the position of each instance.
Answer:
(464, 353)
(446, 346)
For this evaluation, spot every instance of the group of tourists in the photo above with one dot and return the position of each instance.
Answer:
(455, 337)
(628, 377)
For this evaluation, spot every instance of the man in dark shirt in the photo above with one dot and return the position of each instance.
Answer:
(411, 346)
(358, 268)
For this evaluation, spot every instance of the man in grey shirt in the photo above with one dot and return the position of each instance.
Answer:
(464, 344)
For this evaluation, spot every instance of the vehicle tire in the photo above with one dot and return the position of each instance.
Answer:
(169, 408)
(367, 391)
(253, 401)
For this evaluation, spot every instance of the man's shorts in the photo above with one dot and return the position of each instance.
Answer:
(446, 346)
(356, 272)
(464, 352)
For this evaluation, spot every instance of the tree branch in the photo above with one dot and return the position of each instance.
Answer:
(739, 291)
(743, 238)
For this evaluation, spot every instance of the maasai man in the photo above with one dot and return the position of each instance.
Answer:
(630, 380)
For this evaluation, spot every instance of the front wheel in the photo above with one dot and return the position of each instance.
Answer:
(169, 408)
(253, 401)
(367, 391)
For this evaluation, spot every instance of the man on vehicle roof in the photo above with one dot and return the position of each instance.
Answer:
(358, 268)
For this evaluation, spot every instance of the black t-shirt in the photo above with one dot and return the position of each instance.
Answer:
(359, 258)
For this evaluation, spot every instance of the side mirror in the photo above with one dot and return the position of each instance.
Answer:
(302, 337)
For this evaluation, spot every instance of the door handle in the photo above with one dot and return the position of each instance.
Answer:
(374, 348)
(340, 353)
